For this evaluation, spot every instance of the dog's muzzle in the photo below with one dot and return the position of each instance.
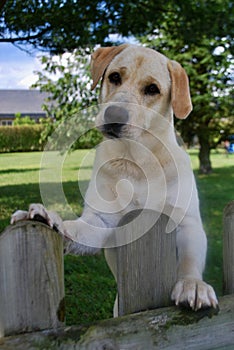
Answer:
(115, 118)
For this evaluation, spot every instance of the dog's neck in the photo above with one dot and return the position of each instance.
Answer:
(124, 155)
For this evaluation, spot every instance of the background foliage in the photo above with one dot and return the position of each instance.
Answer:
(66, 78)
(198, 33)
(209, 67)
(63, 25)
(26, 138)
(27, 120)
(20, 138)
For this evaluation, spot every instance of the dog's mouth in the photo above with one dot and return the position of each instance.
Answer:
(115, 118)
(112, 130)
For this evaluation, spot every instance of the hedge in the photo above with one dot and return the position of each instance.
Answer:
(21, 138)
(88, 140)
(26, 138)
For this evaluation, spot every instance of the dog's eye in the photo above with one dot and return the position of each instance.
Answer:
(151, 89)
(115, 78)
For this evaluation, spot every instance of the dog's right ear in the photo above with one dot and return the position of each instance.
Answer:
(101, 58)
(180, 94)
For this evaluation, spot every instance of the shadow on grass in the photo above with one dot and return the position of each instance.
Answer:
(19, 197)
(16, 171)
(82, 168)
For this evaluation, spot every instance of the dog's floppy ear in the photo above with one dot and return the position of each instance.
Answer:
(180, 94)
(101, 58)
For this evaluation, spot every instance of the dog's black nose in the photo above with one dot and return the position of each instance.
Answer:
(116, 114)
(115, 118)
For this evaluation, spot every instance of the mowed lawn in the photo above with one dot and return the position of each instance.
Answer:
(90, 287)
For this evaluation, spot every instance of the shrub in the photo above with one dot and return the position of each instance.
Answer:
(88, 140)
(20, 138)
(26, 138)
(27, 120)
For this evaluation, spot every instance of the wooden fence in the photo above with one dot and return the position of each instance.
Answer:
(146, 268)
(228, 248)
(31, 278)
(32, 281)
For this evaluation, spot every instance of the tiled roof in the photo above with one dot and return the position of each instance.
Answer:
(21, 101)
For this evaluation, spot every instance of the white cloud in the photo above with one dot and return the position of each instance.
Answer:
(28, 73)
(17, 68)
(27, 81)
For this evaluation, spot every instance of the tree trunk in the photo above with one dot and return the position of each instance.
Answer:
(204, 154)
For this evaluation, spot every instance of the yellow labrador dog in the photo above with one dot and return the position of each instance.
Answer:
(139, 164)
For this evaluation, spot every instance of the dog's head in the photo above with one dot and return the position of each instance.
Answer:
(135, 80)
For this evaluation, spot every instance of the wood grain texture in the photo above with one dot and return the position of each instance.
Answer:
(228, 248)
(168, 328)
(147, 267)
(31, 278)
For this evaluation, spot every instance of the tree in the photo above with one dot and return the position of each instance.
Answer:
(209, 68)
(60, 25)
(70, 104)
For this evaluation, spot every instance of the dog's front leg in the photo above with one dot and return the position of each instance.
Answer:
(88, 234)
(191, 245)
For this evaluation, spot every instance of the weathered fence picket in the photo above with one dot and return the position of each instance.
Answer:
(31, 279)
(228, 249)
(147, 266)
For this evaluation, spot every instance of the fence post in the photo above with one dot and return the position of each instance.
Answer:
(228, 248)
(31, 278)
(146, 268)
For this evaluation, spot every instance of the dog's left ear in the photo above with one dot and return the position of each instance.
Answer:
(101, 58)
(180, 93)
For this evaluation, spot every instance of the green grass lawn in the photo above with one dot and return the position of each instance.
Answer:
(90, 287)
(215, 191)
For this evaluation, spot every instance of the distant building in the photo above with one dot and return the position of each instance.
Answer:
(23, 102)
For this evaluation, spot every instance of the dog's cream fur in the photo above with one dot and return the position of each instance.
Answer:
(141, 166)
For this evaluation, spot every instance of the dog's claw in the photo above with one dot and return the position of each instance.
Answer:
(39, 213)
(195, 293)
(191, 303)
(19, 215)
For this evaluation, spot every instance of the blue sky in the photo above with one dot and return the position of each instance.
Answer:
(17, 67)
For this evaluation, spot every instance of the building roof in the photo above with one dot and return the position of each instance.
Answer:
(21, 101)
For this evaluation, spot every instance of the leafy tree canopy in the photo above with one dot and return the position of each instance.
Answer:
(197, 33)
(209, 66)
(60, 25)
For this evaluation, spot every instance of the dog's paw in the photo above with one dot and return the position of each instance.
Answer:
(195, 293)
(19, 215)
(36, 212)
